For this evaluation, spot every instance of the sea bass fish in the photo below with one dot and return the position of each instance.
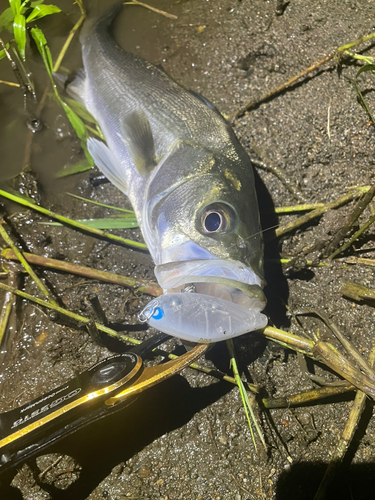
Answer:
(191, 185)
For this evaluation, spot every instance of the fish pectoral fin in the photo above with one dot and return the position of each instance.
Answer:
(205, 101)
(77, 87)
(107, 163)
(139, 141)
(61, 79)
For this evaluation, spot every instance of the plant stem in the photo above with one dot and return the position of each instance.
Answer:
(71, 222)
(357, 292)
(244, 396)
(326, 353)
(276, 90)
(353, 217)
(109, 331)
(346, 436)
(73, 31)
(147, 287)
(7, 307)
(315, 213)
(25, 264)
(360, 261)
(355, 236)
(10, 84)
(298, 208)
(158, 11)
(306, 397)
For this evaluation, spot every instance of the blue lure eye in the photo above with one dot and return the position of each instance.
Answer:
(213, 222)
(158, 313)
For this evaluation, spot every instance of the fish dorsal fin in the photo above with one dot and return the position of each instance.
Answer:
(139, 141)
(107, 163)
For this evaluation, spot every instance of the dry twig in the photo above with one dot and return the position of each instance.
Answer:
(353, 217)
(25, 264)
(143, 286)
(154, 9)
(315, 213)
(346, 437)
(276, 90)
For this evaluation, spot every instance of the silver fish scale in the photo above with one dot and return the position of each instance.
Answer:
(136, 84)
(178, 161)
(198, 160)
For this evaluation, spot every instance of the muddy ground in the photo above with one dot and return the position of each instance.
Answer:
(188, 438)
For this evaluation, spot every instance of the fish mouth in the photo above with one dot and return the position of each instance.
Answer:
(207, 300)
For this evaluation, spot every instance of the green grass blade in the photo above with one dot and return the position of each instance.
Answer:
(96, 131)
(6, 20)
(81, 111)
(41, 44)
(71, 222)
(8, 240)
(40, 11)
(19, 29)
(75, 121)
(77, 168)
(15, 5)
(130, 212)
(366, 67)
(362, 101)
(19, 195)
(104, 223)
(244, 396)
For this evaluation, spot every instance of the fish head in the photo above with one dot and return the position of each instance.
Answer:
(201, 224)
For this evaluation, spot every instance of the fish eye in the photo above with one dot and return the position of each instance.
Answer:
(216, 218)
(212, 222)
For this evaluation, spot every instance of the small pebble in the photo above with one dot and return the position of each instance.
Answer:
(223, 439)
(144, 471)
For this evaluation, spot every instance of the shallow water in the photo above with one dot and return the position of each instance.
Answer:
(55, 145)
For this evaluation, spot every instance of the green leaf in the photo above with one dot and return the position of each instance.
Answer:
(41, 11)
(44, 51)
(80, 110)
(362, 100)
(6, 20)
(19, 195)
(75, 121)
(77, 168)
(15, 5)
(36, 3)
(19, 29)
(366, 67)
(87, 154)
(2, 52)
